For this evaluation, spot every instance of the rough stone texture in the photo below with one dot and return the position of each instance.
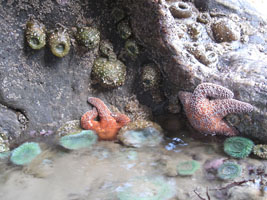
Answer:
(242, 65)
(46, 91)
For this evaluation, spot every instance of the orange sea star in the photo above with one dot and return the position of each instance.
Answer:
(206, 115)
(109, 123)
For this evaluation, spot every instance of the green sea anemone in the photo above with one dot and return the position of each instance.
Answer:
(146, 188)
(260, 150)
(25, 153)
(84, 139)
(238, 147)
(150, 77)
(187, 168)
(35, 34)
(88, 37)
(106, 48)
(59, 42)
(229, 170)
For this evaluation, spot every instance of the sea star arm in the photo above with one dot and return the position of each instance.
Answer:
(121, 119)
(225, 129)
(223, 107)
(87, 120)
(102, 109)
(205, 90)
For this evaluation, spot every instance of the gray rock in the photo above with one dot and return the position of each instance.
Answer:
(241, 66)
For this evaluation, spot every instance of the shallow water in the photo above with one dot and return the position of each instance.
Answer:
(108, 169)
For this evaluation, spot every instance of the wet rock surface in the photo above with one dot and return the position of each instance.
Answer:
(47, 91)
(167, 39)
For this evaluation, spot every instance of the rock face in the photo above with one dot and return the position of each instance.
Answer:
(241, 64)
(40, 91)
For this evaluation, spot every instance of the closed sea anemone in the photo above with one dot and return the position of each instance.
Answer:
(131, 48)
(88, 37)
(187, 168)
(25, 153)
(229, 170)
(35, 34)
(238, 147)
(124, 29)
(260, 150)
(84, 139)
(109, 73)
(59, 42)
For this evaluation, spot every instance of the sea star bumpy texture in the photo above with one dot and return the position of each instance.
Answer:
(206, 115)
(108, 125)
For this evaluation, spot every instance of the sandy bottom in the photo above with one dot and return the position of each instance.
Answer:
(102, 171)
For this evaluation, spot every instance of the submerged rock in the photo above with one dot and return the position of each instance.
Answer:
(146, 188)
(141, 133)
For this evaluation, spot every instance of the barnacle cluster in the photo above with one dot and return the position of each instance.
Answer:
(238, 147)
(25, 153)
(195, 30)
(4, 145)
(59, 42)
(229, 170)
(204, 54)
(35, 34)
(88, 37)
(70, 127)
(187, 168)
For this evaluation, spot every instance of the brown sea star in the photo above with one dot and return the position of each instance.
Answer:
(109, 123)
(206, 115)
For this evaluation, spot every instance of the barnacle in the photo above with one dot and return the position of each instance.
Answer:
(238, 147)
(84, 139)
(194, 30)
(204, 18)
(181, 10)
(109, 73)
(229, 170)
(88, 37)
(59, 42)
(25, 153)
(35, 34)
(187, 168)
(260, 150)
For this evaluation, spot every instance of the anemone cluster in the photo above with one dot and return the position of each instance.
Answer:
(238, 147)
(59, 39)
